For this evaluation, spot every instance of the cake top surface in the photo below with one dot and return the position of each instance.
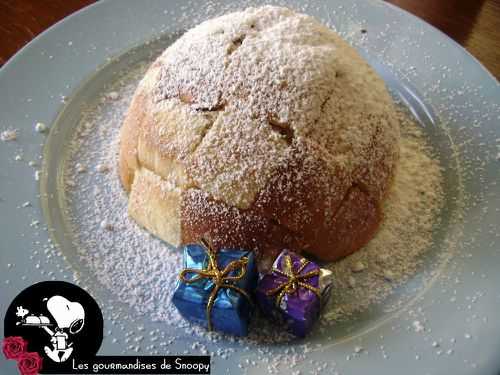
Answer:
(271, 86)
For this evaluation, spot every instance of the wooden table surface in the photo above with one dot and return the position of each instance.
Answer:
(474, 24)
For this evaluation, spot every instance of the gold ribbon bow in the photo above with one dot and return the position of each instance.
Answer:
(295, 279)
(220, 279)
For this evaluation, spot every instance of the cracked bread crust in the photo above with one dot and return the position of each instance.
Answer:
(260, 129)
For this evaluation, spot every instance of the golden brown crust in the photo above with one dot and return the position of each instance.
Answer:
(353, 225)
(255, 149)
(230, 227)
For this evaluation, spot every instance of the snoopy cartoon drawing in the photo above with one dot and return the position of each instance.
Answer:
(69, 317)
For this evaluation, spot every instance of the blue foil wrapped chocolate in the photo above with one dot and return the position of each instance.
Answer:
(293, 292)
(214, 290)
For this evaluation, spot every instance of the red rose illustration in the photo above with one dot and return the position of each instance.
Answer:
(29, 363)
(14, 346)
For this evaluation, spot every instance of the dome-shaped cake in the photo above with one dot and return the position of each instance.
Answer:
(260, 129)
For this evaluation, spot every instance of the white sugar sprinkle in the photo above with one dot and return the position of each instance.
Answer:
(106, 225)
(358, 267)
(139, 269)
(8, 135)
(102, 168)
(127, 261)
(80, 168)
(40, 127)
(389, 275)
(418, 326)
(113, 95)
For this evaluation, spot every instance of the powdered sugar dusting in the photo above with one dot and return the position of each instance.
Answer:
(411, 214)
(126, 255)
(278, 78)
(141, 270)
(467, 110)
(8, 135)
(301, 134)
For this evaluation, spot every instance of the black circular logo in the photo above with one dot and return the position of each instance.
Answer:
(58, 320)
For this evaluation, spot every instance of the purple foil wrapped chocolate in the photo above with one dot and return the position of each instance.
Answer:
(294, 291)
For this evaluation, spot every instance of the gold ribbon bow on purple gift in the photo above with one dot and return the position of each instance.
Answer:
(219, 278)
(294, 279)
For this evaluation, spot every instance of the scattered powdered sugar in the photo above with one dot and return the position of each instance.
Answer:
(8, 135)
(120, 254)
(136, 267)
(418, 326)
(141, 270)
(411, 215)
(274, 106)
(40, 127)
